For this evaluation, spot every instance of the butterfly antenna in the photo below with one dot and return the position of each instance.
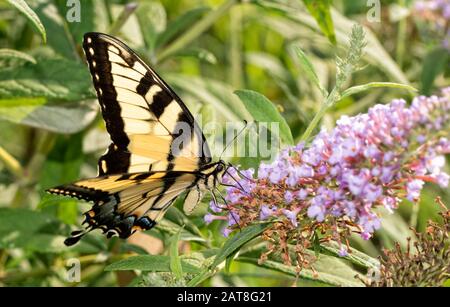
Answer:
(235, 180)
(234, 138)
(239, 172)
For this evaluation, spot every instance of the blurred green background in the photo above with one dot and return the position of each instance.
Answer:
(51, 131)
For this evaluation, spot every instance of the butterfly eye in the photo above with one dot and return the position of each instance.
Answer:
(219, 167)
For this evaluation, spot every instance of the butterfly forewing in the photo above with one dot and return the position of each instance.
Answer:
(149, 125)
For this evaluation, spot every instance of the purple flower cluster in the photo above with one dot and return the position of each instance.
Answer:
(437, 12)
(366, 161)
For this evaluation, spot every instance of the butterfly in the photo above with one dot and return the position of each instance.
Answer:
(157, 152)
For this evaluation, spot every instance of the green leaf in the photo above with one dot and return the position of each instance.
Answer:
(152, 18)
(433, 65)
(67, 117)
(354, 256)
(66, 209)
(60, 40)
(46, 96)
(180, 24)
(14, 54)
(175, 261)
(229, 261)
(61, 166)
(152, 263)
(320, 10)
(309, 70)
(35, 231)
(64, 161)
(90, 15)
(361, 88)
(23, 7)
(55, 78)
(22, 220)
(237, 241)
(329, 270)
(263, 110)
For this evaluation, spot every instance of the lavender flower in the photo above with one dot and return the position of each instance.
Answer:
(437, 13)
(336, 185)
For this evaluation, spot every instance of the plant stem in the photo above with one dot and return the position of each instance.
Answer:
(236, 47)
(11, 163)
(329, 101)
(33, 169)
(196, 30)
(123, 17)
(401, 38)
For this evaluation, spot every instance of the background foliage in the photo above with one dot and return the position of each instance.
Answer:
(52, 133)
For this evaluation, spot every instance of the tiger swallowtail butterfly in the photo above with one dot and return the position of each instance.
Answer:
(140, 174)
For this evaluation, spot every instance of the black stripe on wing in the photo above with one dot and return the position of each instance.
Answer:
(123, 80)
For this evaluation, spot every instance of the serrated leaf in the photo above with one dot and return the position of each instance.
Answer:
(23, 7)
(361, 88)
(320, 10)
(309, 70)
(56, 79)
(45, 95)
(152, 263)
(237, 241)
(263, 110)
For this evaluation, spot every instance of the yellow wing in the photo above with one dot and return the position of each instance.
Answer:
(157, 150)
(150, 127)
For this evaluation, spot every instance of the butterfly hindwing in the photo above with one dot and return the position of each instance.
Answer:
(126, 203)
(150, 127)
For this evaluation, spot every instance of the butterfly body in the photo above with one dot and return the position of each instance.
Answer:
(157, 153)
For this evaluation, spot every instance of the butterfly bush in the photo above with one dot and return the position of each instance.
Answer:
(334, 187)
(438, 13)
